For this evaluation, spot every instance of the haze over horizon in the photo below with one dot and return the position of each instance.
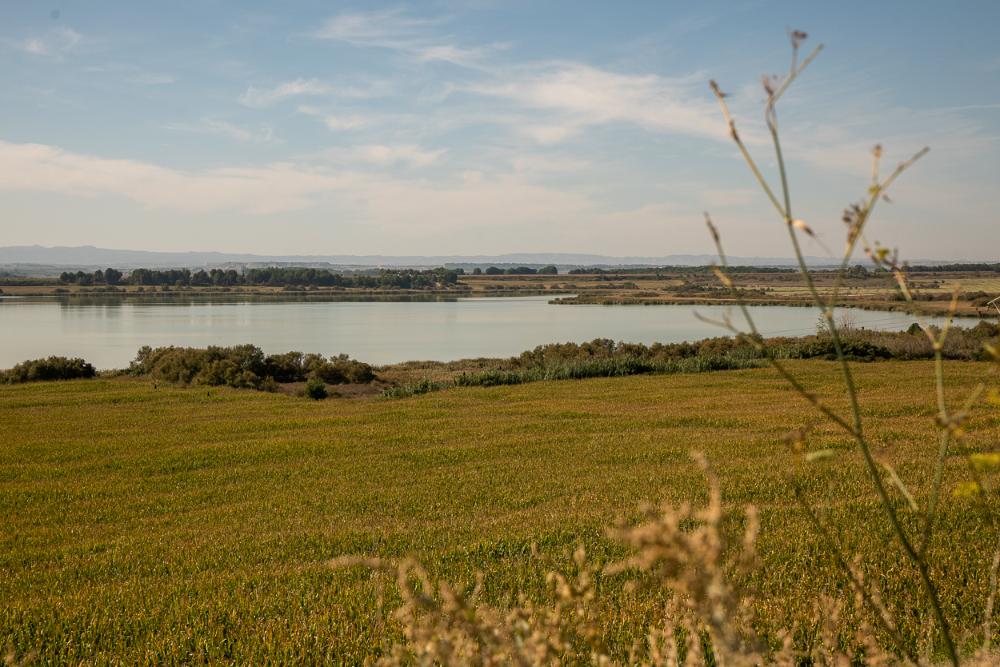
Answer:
(90, 256)
(481, 128)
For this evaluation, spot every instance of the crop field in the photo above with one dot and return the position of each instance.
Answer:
(150, 524)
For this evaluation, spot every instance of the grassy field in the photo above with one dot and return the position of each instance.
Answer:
(147, 524)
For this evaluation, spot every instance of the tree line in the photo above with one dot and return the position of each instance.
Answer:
(549, 270)
(270, 276)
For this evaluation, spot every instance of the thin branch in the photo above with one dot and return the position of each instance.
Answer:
(857, 431)
(946, 426)
(990, 601)
(864, 213)
(755, 336)
(743, 149)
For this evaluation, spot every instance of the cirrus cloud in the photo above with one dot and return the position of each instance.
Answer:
(264, 97)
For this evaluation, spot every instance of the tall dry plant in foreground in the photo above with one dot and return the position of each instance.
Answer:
(885, 480)
(708, 618)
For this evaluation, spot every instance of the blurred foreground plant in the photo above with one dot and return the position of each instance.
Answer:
(886, 482)
(707, 620)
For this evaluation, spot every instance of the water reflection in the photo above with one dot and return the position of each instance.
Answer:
(107, 331)
(194, 299)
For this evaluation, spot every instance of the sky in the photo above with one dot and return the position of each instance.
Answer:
(486, 127)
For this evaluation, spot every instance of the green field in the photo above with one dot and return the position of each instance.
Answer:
(145, 524)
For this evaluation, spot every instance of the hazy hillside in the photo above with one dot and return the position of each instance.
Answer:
(89, 256)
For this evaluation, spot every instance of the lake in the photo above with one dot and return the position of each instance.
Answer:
(107, 332)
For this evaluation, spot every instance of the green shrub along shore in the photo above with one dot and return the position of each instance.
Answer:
(247, 367)
(607, 358)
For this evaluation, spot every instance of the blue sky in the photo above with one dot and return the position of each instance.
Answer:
(486, 127)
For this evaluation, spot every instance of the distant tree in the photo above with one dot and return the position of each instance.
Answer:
(112, 276)
(477, 271)
(549, 270)
(858, 271)
(493, 271)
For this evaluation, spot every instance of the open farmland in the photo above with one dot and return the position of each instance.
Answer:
(147, 524)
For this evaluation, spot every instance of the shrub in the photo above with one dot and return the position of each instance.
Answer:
(422, 386)
(338, 370)
(315, 389)
(853, 350)
(50, 368)
(287, 367)
(237, 366)
(245, 366)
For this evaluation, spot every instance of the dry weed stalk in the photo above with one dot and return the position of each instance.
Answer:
(882, 475)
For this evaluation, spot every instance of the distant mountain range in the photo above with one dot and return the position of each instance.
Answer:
(43, 260)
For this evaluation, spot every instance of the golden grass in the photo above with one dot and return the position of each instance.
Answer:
(151, 524)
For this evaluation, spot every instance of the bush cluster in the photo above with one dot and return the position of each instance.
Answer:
(859, 345)
(573, 361)
(50, 368)
(966, 344)
(245, 366)
(296, 366)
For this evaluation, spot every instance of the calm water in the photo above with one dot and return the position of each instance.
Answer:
(107, 333)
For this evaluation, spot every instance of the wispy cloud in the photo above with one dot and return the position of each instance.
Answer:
(529, 163)
(336, 122)
(965, 107)
(385, 155)
(550, 134)
(152, 79)
(52, 44)
(580, 95)
(390, 28)
(449, 53)
(273, 188)
(132, 74)
(214, 126)
(263, 97)
(395, 30)
(405, 206)
(349, 122)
